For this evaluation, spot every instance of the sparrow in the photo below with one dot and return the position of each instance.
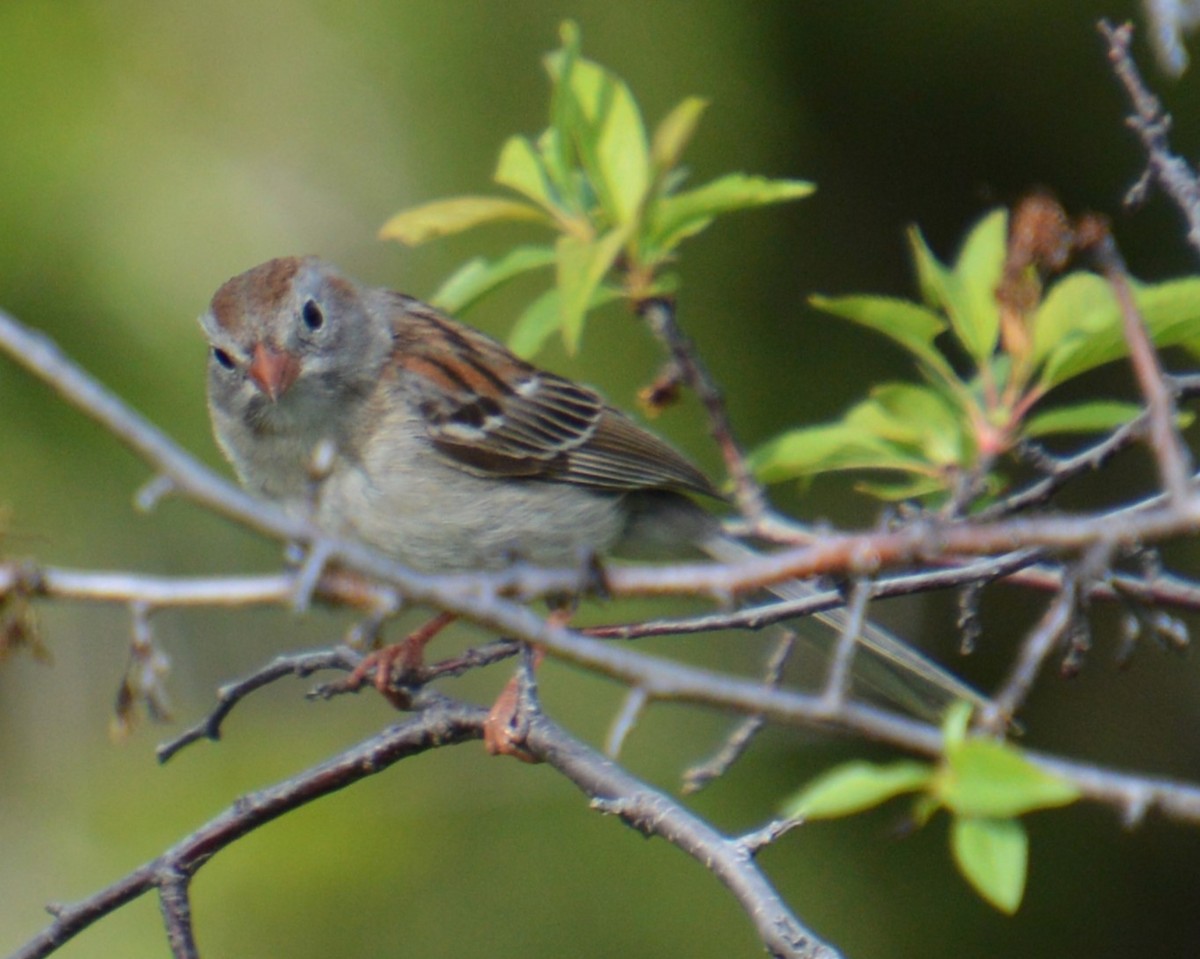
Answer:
(447, 452)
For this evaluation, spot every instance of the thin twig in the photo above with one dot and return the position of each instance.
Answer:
(1059, 472)
(779, 611)
(837, 682)
(161, 592)
(748, 493)
(229, 695)
(1034, 650)
(1055, 623)
(1174, 462)
(655, 814)
(441, 723)
(480, 597)
(626, 718)
(1151, 125)
(1163, 590)
(754, 842)
(736, 743)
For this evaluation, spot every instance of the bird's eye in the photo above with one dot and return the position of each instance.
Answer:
(223, 358)
(313, 318)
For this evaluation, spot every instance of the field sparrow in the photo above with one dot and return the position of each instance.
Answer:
(449, 452)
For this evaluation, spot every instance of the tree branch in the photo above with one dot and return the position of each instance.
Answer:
(1151, 125)
(440, 722)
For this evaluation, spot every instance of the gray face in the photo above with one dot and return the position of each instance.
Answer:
(294, 351)
(287, 336)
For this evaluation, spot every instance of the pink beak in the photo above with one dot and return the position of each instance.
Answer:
(273, 371)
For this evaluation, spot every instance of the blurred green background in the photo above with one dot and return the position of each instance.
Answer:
(153, 148)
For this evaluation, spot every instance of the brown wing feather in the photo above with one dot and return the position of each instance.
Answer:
(494, 414)
(622, 455)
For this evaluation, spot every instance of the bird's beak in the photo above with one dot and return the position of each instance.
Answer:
(273, 371)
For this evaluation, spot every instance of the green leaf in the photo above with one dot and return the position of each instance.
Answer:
(855, 786)
(968, 292)
(1078, 326)
(912, 326)
(978, 271)
(955, 726)
(566, 184)
(917, 417)
(582, 266)
(675, 131)
(555, 142)
(520, 168)
(924, 808)
(599, 113)
(1098, 416)
(542, 319)
(988, 778)
(910, 488)
(536, 325)
(810, 450)
(418, 224)
(1171, 310)
(1078, 305)
(993, 855)
(677, 217)
(479, 276)
(933, 278)
(900, 427)
(622, 153)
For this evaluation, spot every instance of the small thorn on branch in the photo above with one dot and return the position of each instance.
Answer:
(970, 626)
(151, 493)
(309, 575)
(754, 842)
(665, 389)
(635, 703)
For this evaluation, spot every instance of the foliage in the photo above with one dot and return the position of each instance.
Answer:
(984, 784)
(953, 425)
(614, 197)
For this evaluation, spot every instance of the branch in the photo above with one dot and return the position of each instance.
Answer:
(481, 598)
(445, 723)
(1034, 651)
(441, 722)
(350, 573)
(1151, 125)
(748, 493)
(231, 694)
(656, 814)
(699, 776)
(665, 679)
(41, 356)
(1174, 463)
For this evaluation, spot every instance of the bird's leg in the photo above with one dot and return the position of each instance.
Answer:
(401, 659)
(504, 729)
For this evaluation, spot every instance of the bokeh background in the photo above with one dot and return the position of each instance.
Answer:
(152, 148)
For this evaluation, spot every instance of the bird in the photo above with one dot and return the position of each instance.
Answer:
(447, 452)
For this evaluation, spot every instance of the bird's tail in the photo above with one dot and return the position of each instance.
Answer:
(890, 667)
